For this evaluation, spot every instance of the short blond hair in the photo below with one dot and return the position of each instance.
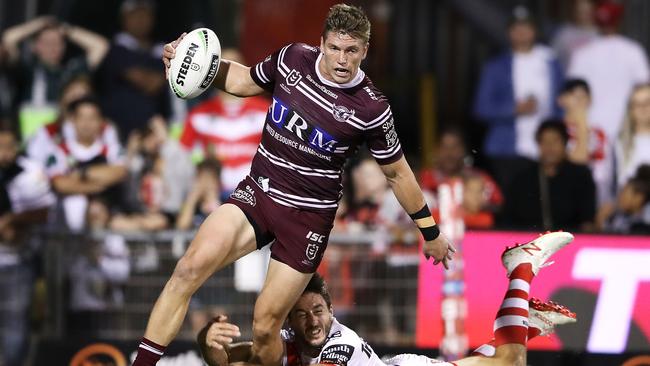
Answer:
(347, 19)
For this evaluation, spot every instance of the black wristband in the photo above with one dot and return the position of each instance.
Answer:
(423, 213)
(430, 233)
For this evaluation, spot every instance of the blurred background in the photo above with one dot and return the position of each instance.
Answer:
(517, 116)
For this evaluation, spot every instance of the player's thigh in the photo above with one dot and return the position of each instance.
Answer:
(225, 236)
(282, 287)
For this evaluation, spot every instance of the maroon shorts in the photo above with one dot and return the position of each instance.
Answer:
(298, 237)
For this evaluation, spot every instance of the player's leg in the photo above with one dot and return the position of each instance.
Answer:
(543, 317)
(281, 290)
(224, 236)
(522, 262)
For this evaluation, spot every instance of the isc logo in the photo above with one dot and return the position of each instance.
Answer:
(315, 237)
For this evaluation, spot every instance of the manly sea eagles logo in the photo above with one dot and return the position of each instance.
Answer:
(293, 78)
(341, 113)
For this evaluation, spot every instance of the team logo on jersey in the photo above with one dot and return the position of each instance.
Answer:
(245, 196)
(293, 78)
(341, 113)
(338, 354)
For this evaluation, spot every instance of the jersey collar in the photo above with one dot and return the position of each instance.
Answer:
(354, 82)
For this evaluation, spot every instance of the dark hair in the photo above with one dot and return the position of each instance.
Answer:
(573, 84)
(75, 78)
(347, 19)
(317, 285)
(75, 104)
(211, 165)
(553, 125)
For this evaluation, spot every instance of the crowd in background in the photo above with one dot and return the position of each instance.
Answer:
(94, 140)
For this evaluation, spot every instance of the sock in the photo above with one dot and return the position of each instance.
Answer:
(511, 324)
(488, 349)
(148, 353)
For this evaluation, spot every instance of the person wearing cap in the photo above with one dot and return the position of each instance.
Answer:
(612, 64)
(516, 91)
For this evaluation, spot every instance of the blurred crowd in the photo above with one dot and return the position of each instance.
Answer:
(92, 139)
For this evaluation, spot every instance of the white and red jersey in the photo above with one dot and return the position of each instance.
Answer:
(229, 131)
(344, 347)
(44, 145)
(69, 153)
(313, 126)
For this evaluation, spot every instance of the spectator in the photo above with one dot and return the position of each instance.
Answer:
(160, 176)
(475, 207)
(612, 64)
(517, 90)
(134, 88)
(24, 199)
(43, 143)
(628, 215)
(588, 145)
(96, 277)
(452, 162)
(633, 145)
(577, 33)
(554, 193)
(203, 197)
(84, 165)
(41, 71)
(228, 129)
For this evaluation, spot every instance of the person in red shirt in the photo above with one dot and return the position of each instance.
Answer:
(227, 128)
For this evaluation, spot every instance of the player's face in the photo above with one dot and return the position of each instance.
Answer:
(311, 319)
(342, 56)
(88, 122)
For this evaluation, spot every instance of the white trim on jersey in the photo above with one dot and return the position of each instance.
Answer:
(260, 73)
(358, 78)
(281, 59)
(301, 198)
(304, 170)
(381, 119)
(385, 154)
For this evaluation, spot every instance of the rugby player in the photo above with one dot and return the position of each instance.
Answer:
(316, 337)
(323, 108)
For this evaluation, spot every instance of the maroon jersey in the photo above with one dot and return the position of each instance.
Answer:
(313, 125)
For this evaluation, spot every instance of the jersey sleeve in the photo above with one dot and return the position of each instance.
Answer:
(345, 348)
(264, 72)
(382, 140)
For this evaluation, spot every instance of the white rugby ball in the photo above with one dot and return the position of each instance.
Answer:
(195, 64)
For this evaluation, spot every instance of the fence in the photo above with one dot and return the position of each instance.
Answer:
(94, 290)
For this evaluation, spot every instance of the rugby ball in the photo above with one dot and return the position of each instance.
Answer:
(195, 64)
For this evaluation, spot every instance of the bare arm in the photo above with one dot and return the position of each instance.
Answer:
(16, 34)
(407, 191)
(72, 184)
(106, 174)
(579, 154)
(94, 45)
(232, 77)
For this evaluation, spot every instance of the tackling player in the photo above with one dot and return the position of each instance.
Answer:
(316, 337)
(323, 108)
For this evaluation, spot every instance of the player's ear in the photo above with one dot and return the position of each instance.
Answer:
(365, 50)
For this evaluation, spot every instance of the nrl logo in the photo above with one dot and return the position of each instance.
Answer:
(341, 113)
(293, 78)
(312, 250)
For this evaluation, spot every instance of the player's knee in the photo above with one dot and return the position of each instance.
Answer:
(266, 326)
(187, 275)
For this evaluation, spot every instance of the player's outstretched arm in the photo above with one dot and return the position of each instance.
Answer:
(216, 343)
(232, 77)
(403, 183)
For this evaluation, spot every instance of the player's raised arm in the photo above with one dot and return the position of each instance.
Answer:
(232, 77)
(403, 183)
